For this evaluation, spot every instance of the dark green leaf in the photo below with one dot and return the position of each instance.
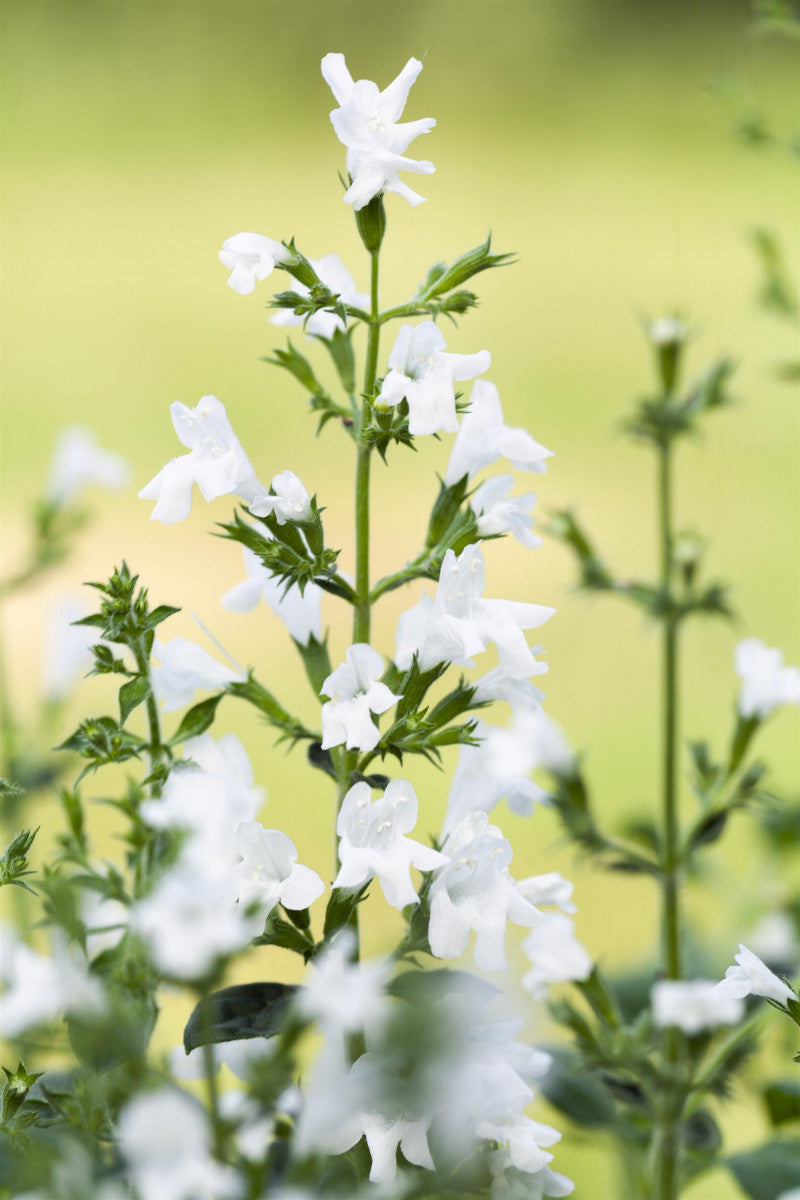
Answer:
(764, 1173)
(197, 720)
(577, 1091)
(783, 1101)
(131, 695)
(424, 987)
(247, 1010)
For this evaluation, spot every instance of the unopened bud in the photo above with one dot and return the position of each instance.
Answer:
(687, 551)
(668, 335)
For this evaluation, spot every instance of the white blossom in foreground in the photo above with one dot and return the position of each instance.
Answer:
(766, 682)
(344, 996)
(184, 668)
(421, 373)
(164, 1137)
(372, 841)
(300, 611)
(509, 1183)
(355, 691)
(366, 122)
(291, 501)
(523, 1138)
(497, 511)
(79, 462)
(250, 257)
(459, 622)
(555, 954)
(216, 462)
(693, 1005)
(336, 277)
(750, 977)
(39, 988)
(475, 891)
(550, 889)
(484, 437)
(269, 872)
(497, 768)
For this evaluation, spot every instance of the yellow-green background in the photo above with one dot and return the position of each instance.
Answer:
(589, 137)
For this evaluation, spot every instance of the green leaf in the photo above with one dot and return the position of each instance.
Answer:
(131, 695)
(159, 614)
(422, 988)
(340, 347)
(701, 1133)
(278, 932)
(765, 1173)
(577, 1091)
(197, 720)
(783, 1101)
(246, 1010)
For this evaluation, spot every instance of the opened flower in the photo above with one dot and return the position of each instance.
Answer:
(355, 691)
(216, 463)
(250, 257)
(497, 768)
(372, 841)
(421, 373)
(299, 611)
(750, 977)
(269, 873)
(498, 511)
(366, 122)
(291, 501)
(183, 668)
(484, 437)
(766, 682)
(336, 277)
(555, 953)
(78, 462)
(693, 1005)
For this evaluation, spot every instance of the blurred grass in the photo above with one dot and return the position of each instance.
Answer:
(588, 137)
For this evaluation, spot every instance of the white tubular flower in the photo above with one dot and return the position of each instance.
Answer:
(509, 1183)
(497, 511)
(367, 123)
(216, 463)
(355, 691)
(184, 668)
(372, 841)
(423, 374)
(521, 1137)
(497, 768)
(520, 694)
(164, 1137)
(37, 988)
(544, 890)
(766, 682)
(291, 501)
(336, 277)
(67, 648)
(300, 611)
(344, 996)
(225, 761)
(270, 874)
(460, 623)
(693, 1005)
(555, 953)
(474, 891)
(250, 257)
(483, 438)
(79, 462)
(750, 977)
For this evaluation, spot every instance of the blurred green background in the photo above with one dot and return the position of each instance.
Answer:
(590, 137)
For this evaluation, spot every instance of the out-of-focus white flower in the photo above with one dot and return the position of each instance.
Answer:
(766, 682)
(555, 954)
(250, 257)
(372, 841)
(693, 1005)
(291, 501)
(484, 437)
(498, 767)
(792, 1194)
(344, 996)
(544, 890)
(367, 123)
(269, 872)
(498, 511)
(750, 977)
(226, 761)
(460, 623)
(300, 612)
(509, 1183)
(252, 1131)
(106, 921)
(519, 694)
(522, 1138)
(79, 462)
(216, 463)
(239, 1057)
(336, 277)
(475, 891)
(184, 668)
(164, 1138)
(355, 691)
(67, 654)
(38, 988)
(774, 938)
(665, 330)
(421, 373)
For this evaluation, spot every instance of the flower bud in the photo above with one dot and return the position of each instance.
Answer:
(668, 335)
(687, 551)
(371, 222)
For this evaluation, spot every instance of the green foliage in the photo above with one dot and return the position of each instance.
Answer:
(196, 720)
(782, 1101)
(764, 1173)
(294, 553)
(14, 865)
(661, 419)
(577, 1092)
(274, 713)
(244, 1011)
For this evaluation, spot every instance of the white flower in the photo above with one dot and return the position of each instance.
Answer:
(291, 501)
(183, 668)
(269, 872)
(519, 694)
(366, 122)
(164, 1137)
(669, 329)
(498, 767)
(300, 612)
(106, 921)
(78, 462)
(775, 938)
(522, 1137)
(250, 257)
(344, 996)
(336, 277)
(216, 463)
(552, 888)
(239, 1057)
(373, 842)
(555, 953)
(693, 1005)
(509, 1183)
(483, 438)
(423, 374)
(355, 691)
(749, 977)
(766, 682)
(498, 511)
(460, 623)
(474, 891)
(38, 988)
(67, 648)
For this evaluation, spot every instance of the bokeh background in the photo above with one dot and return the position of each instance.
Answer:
(593, 137)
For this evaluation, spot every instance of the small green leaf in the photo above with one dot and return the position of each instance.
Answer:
(197, 720)
(131, 695)
(783, 1101)
(160, 614)
(247, 1010)
(764, 1173)
(576, 1091)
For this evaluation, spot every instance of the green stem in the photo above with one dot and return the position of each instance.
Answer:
(210, 1074)
(156, 748)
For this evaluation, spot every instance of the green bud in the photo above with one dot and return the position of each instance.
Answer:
(668, 336)
(371, 222)
(687, 552)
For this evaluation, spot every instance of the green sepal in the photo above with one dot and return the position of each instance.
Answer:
(14, 864)
(285, 935)
(197, 720)
(443, 279)
(371, 224)
(246, 1010)
(341, 907)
